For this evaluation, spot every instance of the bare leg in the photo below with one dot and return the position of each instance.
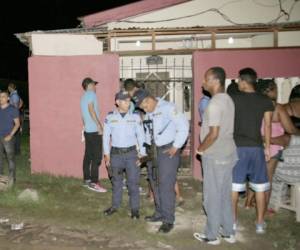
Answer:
(150, 193)
(260, 206)
(179, 198)
(250, 199)
(177, 191)
(235, 199)
(271, 166)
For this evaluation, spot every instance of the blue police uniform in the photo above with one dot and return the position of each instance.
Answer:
(124, 133)
(170, 129)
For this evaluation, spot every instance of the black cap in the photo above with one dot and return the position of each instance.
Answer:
(122, 95)
(86, 81)
(140, 95)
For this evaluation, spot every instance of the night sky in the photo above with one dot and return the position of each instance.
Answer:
(29, 15)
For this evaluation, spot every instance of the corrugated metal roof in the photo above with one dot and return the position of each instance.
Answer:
(24, 37)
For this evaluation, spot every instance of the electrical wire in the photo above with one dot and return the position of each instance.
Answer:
(282, 13)
(267, 5)
(224, 16)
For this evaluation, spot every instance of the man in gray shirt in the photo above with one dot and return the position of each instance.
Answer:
(219, 156)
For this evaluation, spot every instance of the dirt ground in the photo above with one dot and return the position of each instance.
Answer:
(69, 216)
(47, 231)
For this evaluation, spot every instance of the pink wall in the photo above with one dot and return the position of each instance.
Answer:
(55, 119)
(267, 63)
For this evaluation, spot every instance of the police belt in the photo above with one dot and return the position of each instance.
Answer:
(166, 146)
(118, 151)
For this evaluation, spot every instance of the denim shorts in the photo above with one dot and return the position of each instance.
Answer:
(250, 166)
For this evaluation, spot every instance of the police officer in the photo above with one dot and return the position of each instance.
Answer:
(170, 131)
(124, 130)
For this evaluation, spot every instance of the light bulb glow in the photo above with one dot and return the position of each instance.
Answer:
(230, 40)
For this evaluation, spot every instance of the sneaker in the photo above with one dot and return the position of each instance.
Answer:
(4, 220)
(135, 214)
(142, 191)
(261, 228)
(86, 183)
(230, 239)
(110, 211)
(202, 237)
(97, 188)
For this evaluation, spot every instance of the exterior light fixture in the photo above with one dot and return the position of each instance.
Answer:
(230, 40)
(138, 43)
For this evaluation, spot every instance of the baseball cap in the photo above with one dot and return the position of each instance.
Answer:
(122, 95)
(140, 95)
(86, 81)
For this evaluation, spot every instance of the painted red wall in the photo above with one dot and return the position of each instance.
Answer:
(267, 62)
(54, 99)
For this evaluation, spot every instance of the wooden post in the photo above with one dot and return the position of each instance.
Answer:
(108, 42)
(213, 40)
(275, 38)
(153, 41)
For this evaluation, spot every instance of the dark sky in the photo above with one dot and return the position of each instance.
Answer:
(28, 15)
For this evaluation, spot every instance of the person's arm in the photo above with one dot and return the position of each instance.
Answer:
(14, 130)
(203, 105)
(95, 118)
(182, 130)
(209, 139)
(106, 141)
(140, 134)
(21, 103)
(282, 140)
(267, 132)
(214, 115)
(286, 121)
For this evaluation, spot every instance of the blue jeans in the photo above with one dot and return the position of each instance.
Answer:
(8, 148)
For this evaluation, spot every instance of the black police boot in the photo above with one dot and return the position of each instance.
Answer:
(135, 214)
(110, 211)
(153, 218)
(166, 227)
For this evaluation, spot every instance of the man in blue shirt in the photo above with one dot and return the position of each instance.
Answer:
(16, 101)
(131, 87)
(170, 131)
(93, 131)
(9, 124)
(123, 130)
(203, 103)
(14, 98)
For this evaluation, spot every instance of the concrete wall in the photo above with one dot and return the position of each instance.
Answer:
(65, 45)
(54, 99)
(179, 42)
(254, 12)
(242, 12)
(267, 63)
